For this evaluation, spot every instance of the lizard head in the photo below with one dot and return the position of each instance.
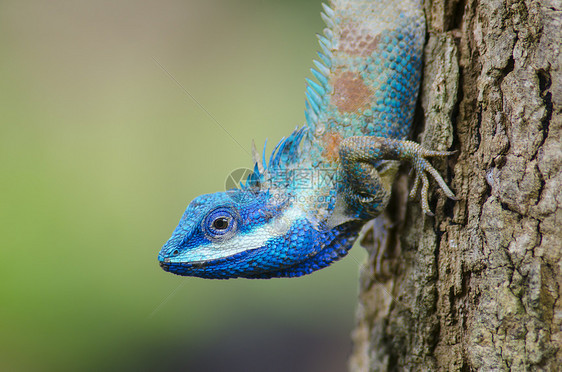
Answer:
(216, 230)
(241, 233)
(261, 230)
(227, 234)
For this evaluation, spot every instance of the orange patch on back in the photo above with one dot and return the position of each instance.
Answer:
(350, 93)
(356, 41)
(331, 146)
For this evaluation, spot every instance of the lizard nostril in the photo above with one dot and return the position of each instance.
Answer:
(175, 252)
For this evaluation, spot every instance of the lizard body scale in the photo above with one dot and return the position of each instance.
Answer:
(304, 209)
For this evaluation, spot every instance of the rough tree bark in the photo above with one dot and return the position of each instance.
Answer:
(478, 286)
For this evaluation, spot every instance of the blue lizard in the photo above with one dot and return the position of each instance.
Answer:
(304, 209)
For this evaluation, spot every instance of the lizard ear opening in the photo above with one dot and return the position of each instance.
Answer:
(340, 214)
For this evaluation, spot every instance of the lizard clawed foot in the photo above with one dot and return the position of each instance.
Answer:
(365, 190)
(422, 167)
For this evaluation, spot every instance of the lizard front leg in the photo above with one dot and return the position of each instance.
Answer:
(368, 166)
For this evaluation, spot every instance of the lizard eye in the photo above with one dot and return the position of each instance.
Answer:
(220, 223)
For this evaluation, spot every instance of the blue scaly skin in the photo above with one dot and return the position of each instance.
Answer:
(304, 209)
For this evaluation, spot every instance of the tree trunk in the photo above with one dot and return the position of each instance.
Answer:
(478, 286)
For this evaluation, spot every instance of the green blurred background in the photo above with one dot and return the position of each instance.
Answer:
(100, 152)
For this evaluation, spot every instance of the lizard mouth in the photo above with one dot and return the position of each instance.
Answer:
(167, 264)
(184, 268)
(202, 268)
